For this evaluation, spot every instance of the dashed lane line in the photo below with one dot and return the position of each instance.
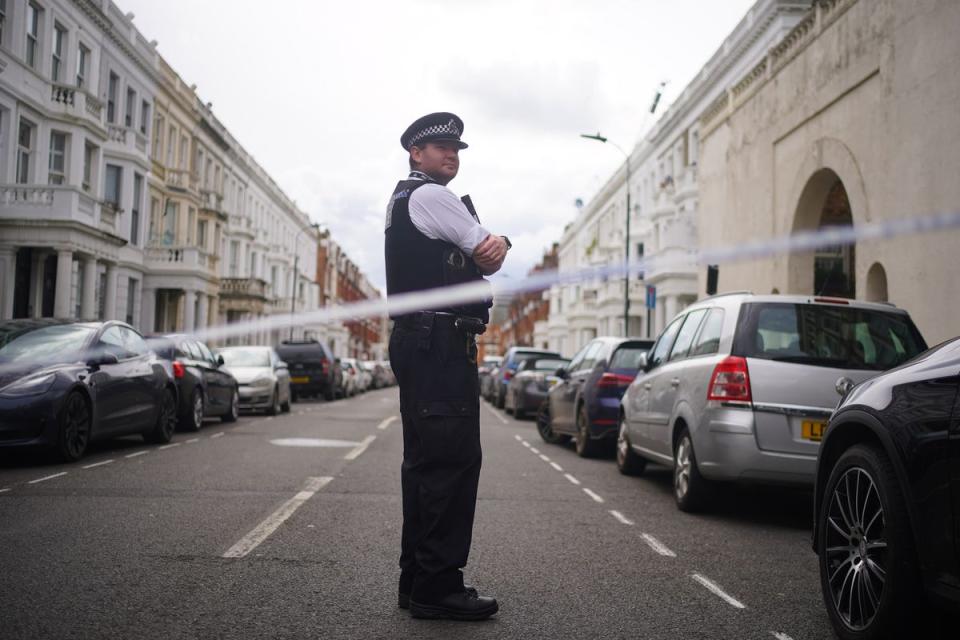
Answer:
(386, 423)
(544, 458)
(715, 589)
(360, 448)
(191, 441)
(526, 444)
(596, 497)
(658, 546)
(218, 435)
(571, 478)
(622, 518)
(556, 466)
(45, 478)
(138, 453)
(496, 414)
(171, 445)
(5, 490)
(780, 636)
(518, 437)
(262, 531)
(535, 450)
(97, 464)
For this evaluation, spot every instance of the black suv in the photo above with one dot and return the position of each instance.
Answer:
(888, 496)
(313, 369)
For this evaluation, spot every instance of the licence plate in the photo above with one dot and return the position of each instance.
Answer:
(300, 379)
(812, 430)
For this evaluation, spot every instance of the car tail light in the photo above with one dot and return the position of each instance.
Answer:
(730, 381)
(614, 381)
(324, 366)
(507, 374)
(178, 370)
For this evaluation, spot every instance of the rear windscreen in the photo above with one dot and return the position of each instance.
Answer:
(305, 353)
(627, 358)
(825, 335)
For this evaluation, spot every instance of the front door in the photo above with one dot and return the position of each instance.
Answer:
(641, 427)
(562, 399)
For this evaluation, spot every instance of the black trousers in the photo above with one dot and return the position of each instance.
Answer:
(435, 366)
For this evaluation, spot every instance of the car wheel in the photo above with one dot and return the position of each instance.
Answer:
(330, 394)
(162, 431)
(194, 418)
(501, 399)
(586, 447)
(518, 413)
(545, 429)
(274, 403)
(234, 412)
(285, 407)
(690, 489)
(628, 462)
(867, 559)
(507, 403)
(75, 423)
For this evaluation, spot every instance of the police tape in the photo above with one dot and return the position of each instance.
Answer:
(802, 242)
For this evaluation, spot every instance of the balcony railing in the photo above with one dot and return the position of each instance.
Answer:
(181, 179)
(108, 217)
(212, 201)
(187, 258)
(243, 287)
(25, 195)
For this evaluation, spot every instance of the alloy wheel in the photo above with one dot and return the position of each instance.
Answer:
(76, 427)
(168, 415)
(856, 548)
(681, 470)
(235, 405)
(622, 444)
(198, 410)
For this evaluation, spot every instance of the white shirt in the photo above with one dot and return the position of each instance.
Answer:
(440, 215)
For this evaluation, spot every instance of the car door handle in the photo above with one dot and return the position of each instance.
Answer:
(675, 382)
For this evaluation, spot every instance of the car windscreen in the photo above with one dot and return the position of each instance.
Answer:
(57, 343)
(838, 336)
(627, 358)
(246, 357)
(546, 364)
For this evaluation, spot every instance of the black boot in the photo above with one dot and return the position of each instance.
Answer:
(462, 605)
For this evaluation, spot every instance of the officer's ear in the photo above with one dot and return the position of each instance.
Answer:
(416, 156)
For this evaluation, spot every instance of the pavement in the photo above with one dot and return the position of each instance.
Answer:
(244, 531)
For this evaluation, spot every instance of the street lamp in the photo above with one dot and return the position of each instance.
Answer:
(626, 242)
(296, 259)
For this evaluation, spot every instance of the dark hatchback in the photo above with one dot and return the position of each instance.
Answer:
(508, 366)
(205, 387)
(529, 386)
(586, 402)
(887, 499)
(313, 369)
(64, 384)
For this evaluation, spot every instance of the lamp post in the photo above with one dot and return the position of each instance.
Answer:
(626, 242)
(296, 259)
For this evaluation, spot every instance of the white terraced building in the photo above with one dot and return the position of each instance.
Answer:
(664, 198)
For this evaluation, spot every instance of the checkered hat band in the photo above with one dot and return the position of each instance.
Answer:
(449, 129)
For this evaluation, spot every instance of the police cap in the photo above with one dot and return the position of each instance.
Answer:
(434, 127)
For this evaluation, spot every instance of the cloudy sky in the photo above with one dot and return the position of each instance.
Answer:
(319, 92)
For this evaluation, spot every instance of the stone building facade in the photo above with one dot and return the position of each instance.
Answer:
(849, 119)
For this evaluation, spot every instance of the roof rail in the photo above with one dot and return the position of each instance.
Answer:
(726, 293)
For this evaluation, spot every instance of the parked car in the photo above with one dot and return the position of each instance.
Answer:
(363, 378)
(488, 384)
(389, 379)
(511, 359)
(66, 384)
(263, 378)
(204, 386)
(313, 369)
(484, 371)
(585, 403)
(372, 369)
(351, 379)
(528, 387)
(887, 496)
(739, 387)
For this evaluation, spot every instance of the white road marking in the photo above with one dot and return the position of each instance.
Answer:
(526, 444)
(4, 490)
(658, 546)
(262, 531)
(360, 448)
(496, 414)
(56, 475)
(518, 437)
(535, 450)
(97, 464)
(544, 458)
(218, 435)
(715, 589)
(622, 518)
(138, 453)
(171, 445)
(780, 636)
(191, 441)
(386, 423)
(596, 497)
(571, 478)
(556, 466)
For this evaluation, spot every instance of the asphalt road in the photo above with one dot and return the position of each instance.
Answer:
(234, 533)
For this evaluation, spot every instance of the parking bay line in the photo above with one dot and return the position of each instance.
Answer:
(386, 423)
(262, 531)
(780, 636)
(191, 441)
(5, 490)
(45, 478)
(715, 589)
(658, 546)
(497, 415)
(217, 435)
(97, 464)
(360, 448)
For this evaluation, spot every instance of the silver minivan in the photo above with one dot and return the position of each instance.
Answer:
(740, 387)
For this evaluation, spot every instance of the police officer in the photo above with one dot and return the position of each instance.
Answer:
(434, 239)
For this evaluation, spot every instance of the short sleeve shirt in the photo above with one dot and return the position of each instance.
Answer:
(440, 215)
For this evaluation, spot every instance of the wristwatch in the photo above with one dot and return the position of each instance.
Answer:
(507, 240)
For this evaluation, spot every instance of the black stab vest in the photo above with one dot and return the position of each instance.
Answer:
(416, 263)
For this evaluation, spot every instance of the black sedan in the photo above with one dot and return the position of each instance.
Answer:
(887, 498)
(64, 384)
(529, 386)
(206, 389)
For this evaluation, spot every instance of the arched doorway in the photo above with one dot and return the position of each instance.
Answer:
(830, 271)
(877, 283)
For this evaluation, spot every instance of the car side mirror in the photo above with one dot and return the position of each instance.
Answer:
(643, 362)
(101, 358)
(220, 361)
(562, 373)
(280, 365)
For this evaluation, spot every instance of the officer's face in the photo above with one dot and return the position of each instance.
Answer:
(439, 160)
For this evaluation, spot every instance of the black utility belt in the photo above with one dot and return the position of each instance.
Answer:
(429, 319)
